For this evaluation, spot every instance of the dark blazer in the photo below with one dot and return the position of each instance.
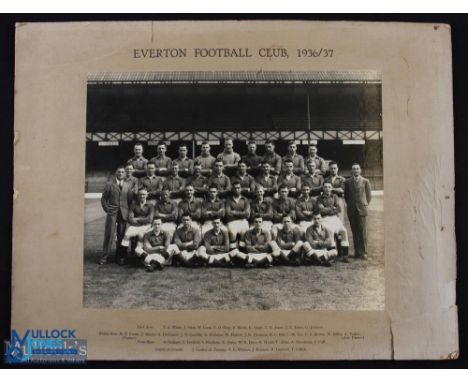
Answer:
(114, 199)
(357, 195)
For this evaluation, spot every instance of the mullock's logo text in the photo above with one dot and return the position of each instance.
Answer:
(45, 345)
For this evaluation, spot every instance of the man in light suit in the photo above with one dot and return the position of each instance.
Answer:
(115, 200)
(357, 193)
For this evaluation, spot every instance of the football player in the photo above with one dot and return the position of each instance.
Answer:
(318, 246)
(237, 213)
(215, 248)
(154, 248)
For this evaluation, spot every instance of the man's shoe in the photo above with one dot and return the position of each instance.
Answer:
(344, 259)
(102, 262)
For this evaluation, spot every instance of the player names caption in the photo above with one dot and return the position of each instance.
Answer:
(201, 53)
(233, 338)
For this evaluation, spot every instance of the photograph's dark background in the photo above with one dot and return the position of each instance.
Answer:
(459, 24)
(300, 106)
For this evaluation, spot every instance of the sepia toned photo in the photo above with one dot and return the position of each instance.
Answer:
(234, 190)
(230, 205)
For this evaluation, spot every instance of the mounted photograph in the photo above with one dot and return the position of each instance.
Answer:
(234, 190)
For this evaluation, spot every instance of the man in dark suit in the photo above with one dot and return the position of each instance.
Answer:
(357, 193)
(115, 200)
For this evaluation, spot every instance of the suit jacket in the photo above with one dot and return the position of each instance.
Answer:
(114, 199)
(357, 195)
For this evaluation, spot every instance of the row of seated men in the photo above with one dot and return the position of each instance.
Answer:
(282, 217)
(155, 249)
(229, 158)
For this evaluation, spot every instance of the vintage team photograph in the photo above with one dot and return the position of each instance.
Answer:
(234, 191)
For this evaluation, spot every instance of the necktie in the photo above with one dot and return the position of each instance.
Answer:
(120, 185)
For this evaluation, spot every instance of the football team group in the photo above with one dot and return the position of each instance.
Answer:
(230, 210)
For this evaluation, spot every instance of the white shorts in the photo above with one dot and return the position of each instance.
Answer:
(333, 223)
(258, 256)
(218, 257)
(238, 227)
(155, 257)
(188, 255)
(133, 231)
(267, 225)
(195, 224)
(207, 225)
(169, 227)
(304, 224)
(336, 226)
(172, 249)
(324, 254)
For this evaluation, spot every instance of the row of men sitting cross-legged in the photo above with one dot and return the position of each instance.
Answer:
(193, 231)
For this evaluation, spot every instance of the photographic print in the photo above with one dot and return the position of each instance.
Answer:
(234, 190)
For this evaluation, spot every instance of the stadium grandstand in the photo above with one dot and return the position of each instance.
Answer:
(341, 112)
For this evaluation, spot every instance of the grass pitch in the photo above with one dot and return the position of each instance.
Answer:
(358, 285)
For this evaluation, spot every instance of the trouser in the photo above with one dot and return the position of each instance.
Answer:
(279, 226)
(207, 225)
(259, 258)
(303, 225)
(237, 228)
(213, 259)
(336, 226)
(359, 228)
(267, 225)
(287, 254)
(169, 227)
(115, 226)
(134, 231)
(187, 256)
(253, 258)
(162, 257)
(195, 224)
(323, 255)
